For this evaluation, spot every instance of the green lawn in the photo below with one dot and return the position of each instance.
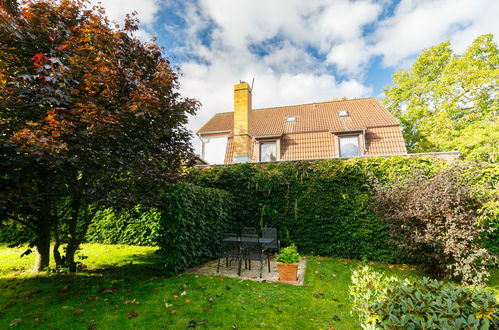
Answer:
(122, 287)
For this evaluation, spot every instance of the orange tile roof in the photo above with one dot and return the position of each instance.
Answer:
(323, 116)
(309, 137)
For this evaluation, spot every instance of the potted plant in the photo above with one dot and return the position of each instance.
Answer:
(287, 264)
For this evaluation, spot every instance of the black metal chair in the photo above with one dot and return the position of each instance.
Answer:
(230, 249)
(275, 245)
(252, 250)
(248, 231)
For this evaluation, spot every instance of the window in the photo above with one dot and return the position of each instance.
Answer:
(349, 146)
(343, 113)
(268, 151)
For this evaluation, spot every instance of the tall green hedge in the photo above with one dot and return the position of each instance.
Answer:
(322, 206)
(137, 226)
(192, 221)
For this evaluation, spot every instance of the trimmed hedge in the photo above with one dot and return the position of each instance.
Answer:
(137, 226)
(392, 303)
(191, 224)
(323, 206)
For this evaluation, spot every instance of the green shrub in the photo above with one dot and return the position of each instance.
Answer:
(288, 255)
(137, 226)
(192, 222)
(322, 206)
(392, 303)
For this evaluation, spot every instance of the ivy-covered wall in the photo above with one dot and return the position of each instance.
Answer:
(321, 206)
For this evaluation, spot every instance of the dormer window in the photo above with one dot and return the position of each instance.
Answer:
(268, 151)
(349, 146)
(291, 119)
(343, 113)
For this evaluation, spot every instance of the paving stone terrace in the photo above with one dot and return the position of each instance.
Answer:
(210, 268)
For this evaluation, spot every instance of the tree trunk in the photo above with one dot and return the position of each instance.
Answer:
(42, 249)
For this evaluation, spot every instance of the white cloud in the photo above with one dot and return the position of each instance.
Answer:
(420, 24)
(147, 11)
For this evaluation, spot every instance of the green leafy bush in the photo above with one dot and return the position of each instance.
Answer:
(321, 206)
(288, 255)
(137, 226)
(192, 222)
(434, 220)
(392, 303)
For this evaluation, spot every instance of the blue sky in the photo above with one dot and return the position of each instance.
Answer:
(299, 51)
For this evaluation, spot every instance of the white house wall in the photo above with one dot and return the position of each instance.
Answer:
(214, 149)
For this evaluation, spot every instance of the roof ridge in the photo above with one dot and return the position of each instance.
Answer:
(302, 104)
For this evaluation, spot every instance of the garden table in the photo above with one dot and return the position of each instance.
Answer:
(240, 239)
(243, 239)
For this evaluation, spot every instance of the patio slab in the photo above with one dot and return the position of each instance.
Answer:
(210, 268)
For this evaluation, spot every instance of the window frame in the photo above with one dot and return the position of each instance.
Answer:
(277, 149)
(359, 152)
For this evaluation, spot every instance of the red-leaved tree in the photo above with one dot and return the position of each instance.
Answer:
(434, 220)
(90, 117)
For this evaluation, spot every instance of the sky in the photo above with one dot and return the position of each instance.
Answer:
(299, 51)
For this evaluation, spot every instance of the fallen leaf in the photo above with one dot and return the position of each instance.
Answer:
(111, 291)
(65, 288)
(14, 322)
(173, 311)
(132, 315)
(31, 293)
(133, 301)
(203, 321)
(183, 293)
(222, 279)
(188, 300)
(234, 326)
(175, 297)
(77, 311)
(261, 325)
(211, 299)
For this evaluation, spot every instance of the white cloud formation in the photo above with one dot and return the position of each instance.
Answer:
(416, 25)
(147, 11)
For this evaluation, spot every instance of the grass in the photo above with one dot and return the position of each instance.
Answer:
(123, 287)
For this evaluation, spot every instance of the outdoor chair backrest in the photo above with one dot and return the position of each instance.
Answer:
(251, 245)
(270, 233)
(248, 231)
(229, 246)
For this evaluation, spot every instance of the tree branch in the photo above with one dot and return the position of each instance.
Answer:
(22, 222)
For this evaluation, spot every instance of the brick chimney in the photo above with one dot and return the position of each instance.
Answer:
(242, 108)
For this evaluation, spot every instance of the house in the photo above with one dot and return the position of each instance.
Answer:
(344, 128)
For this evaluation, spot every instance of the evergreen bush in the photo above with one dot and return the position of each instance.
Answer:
(191, 224)
(392, 303)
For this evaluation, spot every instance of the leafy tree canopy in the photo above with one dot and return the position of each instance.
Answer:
(89, 117)
(447, 101)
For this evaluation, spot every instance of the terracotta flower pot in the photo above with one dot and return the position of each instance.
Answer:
(288, 272)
